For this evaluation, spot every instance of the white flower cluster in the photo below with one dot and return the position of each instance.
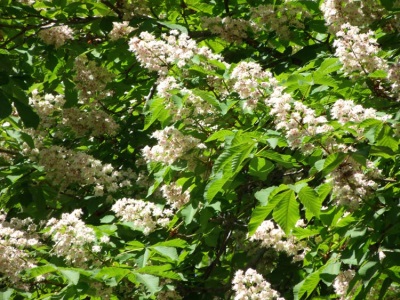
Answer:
(174, 195)
(229, 29)
(46, 107)
(272, 236)
(251, 285)
(91, 80)
(296, 119)
(132, 8)
(352, 185)
(249, 81)
(66, 167)
(120, 30)
(146, 216)
(89, 122)
(357, 13)
(279, 18)
(346, 110)
(73, 240)
(56, 35)
(27, 2)
(15, 237)
(358, 52)
(341, 283)
(158, 55)
(191, 107)
(172, 144)
(394, 77)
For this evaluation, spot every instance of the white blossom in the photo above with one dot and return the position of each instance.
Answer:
(56, 35)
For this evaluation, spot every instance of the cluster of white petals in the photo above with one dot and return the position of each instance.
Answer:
(26, 2)
(56, 35)
(358, 52)
(250, 81)
(341, 283)
(279, 18)
(251, 285)
(46, 106)
(120, 30)
(146, 216)
(394, 77)
(135, 8)
(229, 29)
(65, 167)
(192, 109)
(347, 111)
(73, 240)
(296, 119)
(272, 236)
(16, 236)
(91, 80)
(87, 121)
(174, 195)
(159, 55)
(354, 12)
(352, 184)
(171, 145)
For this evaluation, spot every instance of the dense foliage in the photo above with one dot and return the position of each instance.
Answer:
(199, 149)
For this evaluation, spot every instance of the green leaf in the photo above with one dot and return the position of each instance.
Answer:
(378, 74)
(149, 281)
(156, 112)
(285, 160)
(307, 286)
(286, 212)
(28, 116)
(216, 185)
(161, 271)
(7, 294)
(260, 167)
(208, 97)
(189, 211)
(219, 135)
(385, 138)
(329, 164)
(311, 200)
(270, 197)
(5, 106)
(37, 271)
(107, 219)
(71, 275)
(112, 272)
(324, 190)
(263, 195)
(174, 26)
(169, 252)
(329, 65)
(178, 243)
